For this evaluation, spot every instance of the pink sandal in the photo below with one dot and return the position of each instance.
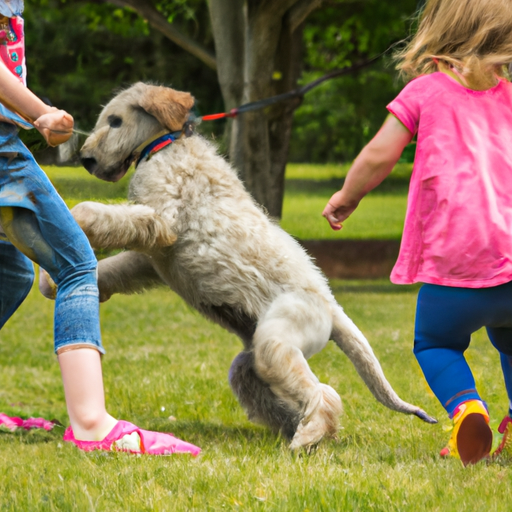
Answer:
(12, 423)
(127, 437)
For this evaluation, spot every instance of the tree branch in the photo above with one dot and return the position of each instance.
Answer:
(300, 11)
(158, 21)
(275, 8)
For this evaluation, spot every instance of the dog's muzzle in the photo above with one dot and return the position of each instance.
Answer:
(89, 163)
(112, 175)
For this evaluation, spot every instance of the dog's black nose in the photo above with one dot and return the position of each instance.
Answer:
(89, 163)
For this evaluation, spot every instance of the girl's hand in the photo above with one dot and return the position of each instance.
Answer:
(337, 211)
(56, 126)
(371, 166)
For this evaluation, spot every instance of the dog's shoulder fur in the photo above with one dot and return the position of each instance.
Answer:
(193, 226)
(218, 224)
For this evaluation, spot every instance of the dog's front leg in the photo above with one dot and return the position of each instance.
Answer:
(127, 272)
(122, 226)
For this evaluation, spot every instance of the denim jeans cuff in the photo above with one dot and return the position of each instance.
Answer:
(76, 344)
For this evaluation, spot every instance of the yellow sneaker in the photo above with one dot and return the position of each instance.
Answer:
(471, 438)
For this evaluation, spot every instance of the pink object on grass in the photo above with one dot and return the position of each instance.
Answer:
(151, 443)
(505, 428)
(12, 423)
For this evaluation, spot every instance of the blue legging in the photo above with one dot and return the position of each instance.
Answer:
(446, 317)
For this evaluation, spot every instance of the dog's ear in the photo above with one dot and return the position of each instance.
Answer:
(170, 107)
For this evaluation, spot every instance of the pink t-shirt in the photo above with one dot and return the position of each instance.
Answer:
(458, 226)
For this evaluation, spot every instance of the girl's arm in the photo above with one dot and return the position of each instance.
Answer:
(55, 125)
(371, 166)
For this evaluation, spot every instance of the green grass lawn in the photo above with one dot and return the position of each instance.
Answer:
(308, 188)
(380, 214)
(165, 361)
(166, 369)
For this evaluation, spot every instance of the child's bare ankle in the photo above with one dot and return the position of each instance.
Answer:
(93, 431)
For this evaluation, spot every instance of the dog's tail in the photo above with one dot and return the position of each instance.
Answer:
(352, 341)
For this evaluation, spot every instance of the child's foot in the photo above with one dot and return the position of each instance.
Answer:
(126, 437)
(505, 429)
(471, 438)
(12, 423)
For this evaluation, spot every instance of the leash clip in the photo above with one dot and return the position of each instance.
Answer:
(188, 128)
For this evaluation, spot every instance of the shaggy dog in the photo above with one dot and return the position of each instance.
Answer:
(192, 226)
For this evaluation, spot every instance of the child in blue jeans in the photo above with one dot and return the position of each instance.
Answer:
(36, 225)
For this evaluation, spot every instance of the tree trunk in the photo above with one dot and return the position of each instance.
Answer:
(271, 43)
(281, 118)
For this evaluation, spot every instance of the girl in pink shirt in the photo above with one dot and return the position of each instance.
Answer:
(457, 237)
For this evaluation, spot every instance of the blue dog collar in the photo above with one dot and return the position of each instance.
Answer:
(156, 145)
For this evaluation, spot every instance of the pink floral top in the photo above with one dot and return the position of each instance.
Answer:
(12, 51)
(12, 46)
(458, 225)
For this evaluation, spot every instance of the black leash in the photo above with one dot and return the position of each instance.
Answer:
(188, 128)
(296, 93)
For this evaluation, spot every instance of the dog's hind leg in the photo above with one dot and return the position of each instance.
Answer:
(295, 327)
(258, 400)
(127, 272)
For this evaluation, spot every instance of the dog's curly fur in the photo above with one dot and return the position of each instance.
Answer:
(193, 226)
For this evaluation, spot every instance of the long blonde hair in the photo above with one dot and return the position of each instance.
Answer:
(473, 36)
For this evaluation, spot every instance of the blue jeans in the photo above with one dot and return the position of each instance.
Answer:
(446, 317)
(39, 227)
(16, 278)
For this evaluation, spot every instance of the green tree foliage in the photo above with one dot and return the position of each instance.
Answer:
(340, 116)
(79, 53)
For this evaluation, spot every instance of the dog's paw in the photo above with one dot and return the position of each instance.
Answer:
(86, 215)
(47, 285)
(104, 296)
(163, 235)
(320, 419)
(308, 434)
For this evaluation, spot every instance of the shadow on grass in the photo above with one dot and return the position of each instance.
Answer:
(250, 434)
(372, 287)
(216, 432)
(34, 436)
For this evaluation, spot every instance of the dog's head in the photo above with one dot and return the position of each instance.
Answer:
(130, 118)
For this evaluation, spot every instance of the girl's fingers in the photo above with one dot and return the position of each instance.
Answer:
(57, 120)
(55, 126)
(334, 223)
(332, 219)
(55, 138)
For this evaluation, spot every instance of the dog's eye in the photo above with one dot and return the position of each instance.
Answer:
(114, 121)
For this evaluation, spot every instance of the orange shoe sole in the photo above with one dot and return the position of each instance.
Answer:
(474, 439)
